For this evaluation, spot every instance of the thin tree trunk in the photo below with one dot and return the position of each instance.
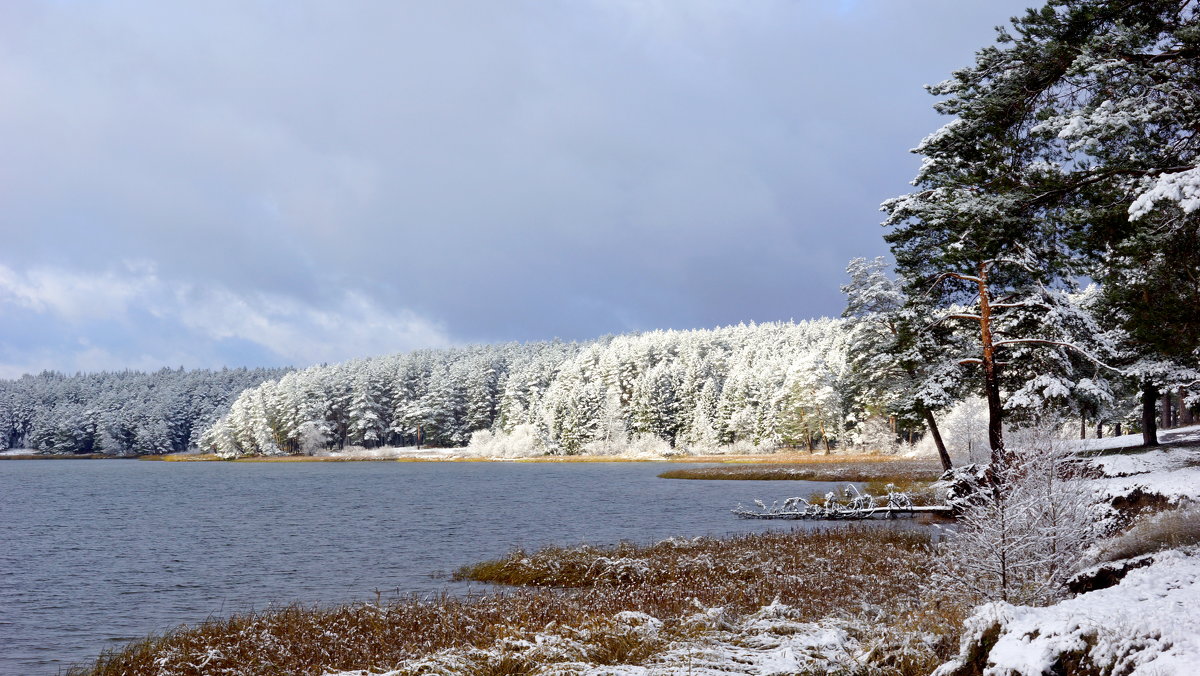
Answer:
(1165, 413)
(1185, 413)
(937, 438)
(1082, 425)
(1149, 422)
(1117, 430)
(1099, 429)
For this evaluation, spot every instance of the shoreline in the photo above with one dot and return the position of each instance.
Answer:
(767, 459)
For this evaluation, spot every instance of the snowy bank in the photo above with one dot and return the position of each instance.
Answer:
(1137, 614)
(1146, 625)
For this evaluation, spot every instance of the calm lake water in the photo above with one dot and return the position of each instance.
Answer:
(96, 553)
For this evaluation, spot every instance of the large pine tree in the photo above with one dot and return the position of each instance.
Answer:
(1075, 146)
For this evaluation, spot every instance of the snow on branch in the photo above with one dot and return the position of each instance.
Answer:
(1182, 187)
(1041, 341)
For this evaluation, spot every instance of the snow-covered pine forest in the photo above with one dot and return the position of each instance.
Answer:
(118, 413)
(757, 385)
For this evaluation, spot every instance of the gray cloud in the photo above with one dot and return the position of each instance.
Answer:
(461, 171)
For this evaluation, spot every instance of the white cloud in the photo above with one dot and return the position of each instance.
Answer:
(150, 322)
(73, 296)
(357, 327)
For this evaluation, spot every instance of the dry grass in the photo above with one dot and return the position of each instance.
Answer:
(1169, 529)
(791, 457)
(856, 571)
(899, 472)
(182, 457)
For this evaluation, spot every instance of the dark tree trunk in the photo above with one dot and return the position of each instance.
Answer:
(1117, 430)
(1149, 421)
(937, 438)
(1083, 426)
(1165, 414)
(1100, 429)
(1185, 413)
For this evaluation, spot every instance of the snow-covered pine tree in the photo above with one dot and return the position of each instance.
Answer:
(897, 356)
(1073, 136)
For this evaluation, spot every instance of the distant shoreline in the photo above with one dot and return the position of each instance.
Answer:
(760, 459)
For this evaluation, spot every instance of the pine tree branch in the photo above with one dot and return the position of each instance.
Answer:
(1041, 341)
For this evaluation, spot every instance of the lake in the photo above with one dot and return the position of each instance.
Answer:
(95, 553)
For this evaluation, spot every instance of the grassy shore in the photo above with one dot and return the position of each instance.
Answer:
(594, 605)
(870, 468)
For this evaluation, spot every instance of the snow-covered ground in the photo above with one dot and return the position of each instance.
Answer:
(17, 451)
(1148, 625)
(395, 452)
(1173, 472)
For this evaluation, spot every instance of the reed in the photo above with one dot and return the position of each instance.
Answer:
(893, 471)
(578, 594)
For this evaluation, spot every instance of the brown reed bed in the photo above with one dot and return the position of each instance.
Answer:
(895, 471)
(847, 572)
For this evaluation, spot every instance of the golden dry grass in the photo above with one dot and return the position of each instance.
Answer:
(855, 571)
(894, 471)
(182, 457)
(790, 457)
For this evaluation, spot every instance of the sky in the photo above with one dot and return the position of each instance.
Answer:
(264, 183)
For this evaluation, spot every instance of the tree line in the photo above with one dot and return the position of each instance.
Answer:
(756, 385)
(118, 413)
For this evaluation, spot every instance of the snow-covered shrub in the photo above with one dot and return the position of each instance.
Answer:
(875, 435)
(313, 438)
(962, 486)
(1025, 533)
(624, 444)
(522, 441)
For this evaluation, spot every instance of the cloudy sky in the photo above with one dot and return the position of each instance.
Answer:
(252, 182)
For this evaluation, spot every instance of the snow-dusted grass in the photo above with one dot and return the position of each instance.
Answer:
(776, 602)
(1170, 529)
